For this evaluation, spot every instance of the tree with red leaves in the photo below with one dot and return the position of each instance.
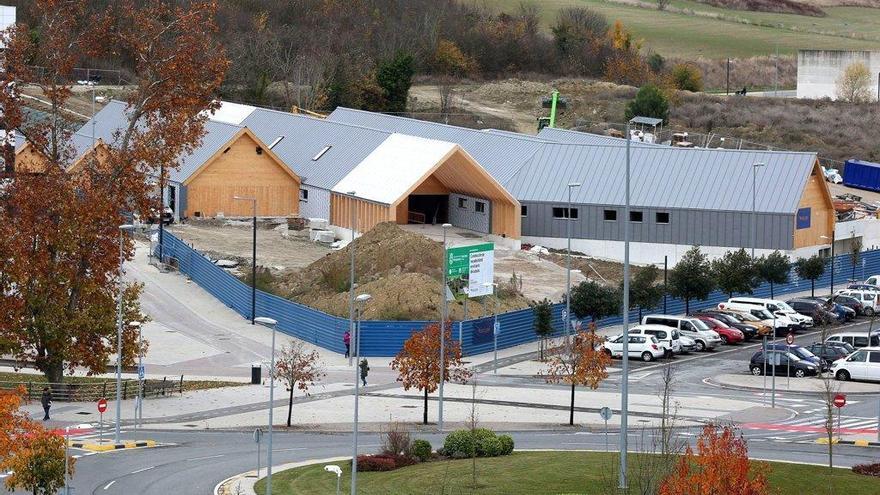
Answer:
(418, 363)
(720, 466)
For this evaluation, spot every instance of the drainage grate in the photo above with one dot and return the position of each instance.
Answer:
(191, 426)
(409, 407)
(84, 413)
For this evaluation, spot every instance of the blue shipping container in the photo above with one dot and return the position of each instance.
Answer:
(864, 175)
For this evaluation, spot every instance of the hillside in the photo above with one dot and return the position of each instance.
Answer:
(694, 29)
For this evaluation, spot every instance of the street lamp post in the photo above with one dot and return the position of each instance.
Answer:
(755, 167)
(624, 369)
(138, 413)
(122, 230)
(443, 315)
(567, 216)
(351, 283)
(270, 323)
(253, 258)
(361, 300)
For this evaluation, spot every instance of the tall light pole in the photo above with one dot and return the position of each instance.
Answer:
(351, 284)
(122, 230)
(443, 315)
(755, 167)
(270, 323)
(567, 322)
(832, 239)
(253, 258)
(624, 369)
(361, 300)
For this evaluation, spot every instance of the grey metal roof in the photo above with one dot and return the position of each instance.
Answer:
(304, 138)
(556, 135)
(646, 121)
(111, 119)
(665, 177)
(500, 154)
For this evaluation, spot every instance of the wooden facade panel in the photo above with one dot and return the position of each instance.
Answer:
(821, 213)
(402, 215)
(241, 171)
(431, 185)
(368, 214)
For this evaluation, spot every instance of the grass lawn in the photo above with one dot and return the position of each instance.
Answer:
(738, 34)
(538, 473)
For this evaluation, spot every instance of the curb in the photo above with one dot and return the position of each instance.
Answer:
(98, 447)
(712, 383)
(223, 488)
(856, 443)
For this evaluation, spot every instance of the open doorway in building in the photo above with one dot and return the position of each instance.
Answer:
(428, 208)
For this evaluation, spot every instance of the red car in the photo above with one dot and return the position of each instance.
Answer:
(728, 335)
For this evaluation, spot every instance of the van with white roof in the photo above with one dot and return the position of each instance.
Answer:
(705, 337)
(867, 298)
(781, 323)
(667, 338)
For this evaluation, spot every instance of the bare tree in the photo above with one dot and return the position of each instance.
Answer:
(299, 369)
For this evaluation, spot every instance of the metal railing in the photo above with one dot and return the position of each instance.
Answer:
(92, 391)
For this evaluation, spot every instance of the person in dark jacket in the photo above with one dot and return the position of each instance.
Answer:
(365, 370)
(46, 401)
(346, 339)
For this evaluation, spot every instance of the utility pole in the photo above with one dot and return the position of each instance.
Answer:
(351, 283)
(567, 322)
(443, 315)
(253, 257)
(270, 323)
(624, 368)
(728, 76)
(122, 230)
(361, 299)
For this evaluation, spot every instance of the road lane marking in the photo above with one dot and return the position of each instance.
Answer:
(206, 457)
(108, 485)
(142, 470)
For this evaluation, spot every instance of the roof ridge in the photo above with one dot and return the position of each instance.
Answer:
(316, 119)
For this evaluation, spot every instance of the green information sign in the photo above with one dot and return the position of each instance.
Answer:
(458, 259)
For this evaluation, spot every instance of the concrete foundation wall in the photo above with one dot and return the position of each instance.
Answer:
(819, 70)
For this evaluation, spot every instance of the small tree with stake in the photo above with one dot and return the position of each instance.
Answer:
(810, 269)
(299, 369)
(774, 268)
(734, 272)
(691, 278)
(581, 363)
(418, 363)
(543, 314)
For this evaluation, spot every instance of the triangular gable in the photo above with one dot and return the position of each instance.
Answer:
(243, 132)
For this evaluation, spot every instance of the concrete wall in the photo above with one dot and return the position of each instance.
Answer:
(685, 227)
(819, 70)
(467, 217)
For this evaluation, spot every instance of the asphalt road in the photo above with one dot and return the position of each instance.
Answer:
(199, 460)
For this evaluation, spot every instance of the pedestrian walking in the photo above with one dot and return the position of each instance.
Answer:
(46, 401)
(346, 339)
(365, 370)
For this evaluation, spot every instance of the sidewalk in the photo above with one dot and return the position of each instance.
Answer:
(808, 385)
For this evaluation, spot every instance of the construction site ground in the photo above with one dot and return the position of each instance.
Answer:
(400, 269)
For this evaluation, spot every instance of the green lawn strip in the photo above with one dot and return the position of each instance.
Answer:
(536, 473)
(679, 34)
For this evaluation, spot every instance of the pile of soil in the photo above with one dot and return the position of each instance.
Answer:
(401, 270)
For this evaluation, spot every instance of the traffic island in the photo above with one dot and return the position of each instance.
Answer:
(806, 385)
(857, 442)
(108, 446)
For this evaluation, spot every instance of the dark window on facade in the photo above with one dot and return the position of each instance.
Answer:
(462, 203)
(304, 195)
(259, 150)
(636, 216)
(564, 213)
(524, 210)
(662, 217)
(479, 207)
(610, 215)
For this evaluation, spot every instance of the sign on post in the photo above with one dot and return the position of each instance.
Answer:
(140, 372)
(102, 406)
(789, 339)
(474, 263)
(839, 400)
(605, 414)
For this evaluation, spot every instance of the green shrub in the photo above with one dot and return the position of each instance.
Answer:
(506, 444)
(649, 102)
(421, 449)
(687, 77)
(490, 447)
(459, 443)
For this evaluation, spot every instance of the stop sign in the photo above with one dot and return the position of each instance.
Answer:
(102, 406)
(839, 400)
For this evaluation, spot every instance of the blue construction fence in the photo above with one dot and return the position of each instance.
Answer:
(386, 338)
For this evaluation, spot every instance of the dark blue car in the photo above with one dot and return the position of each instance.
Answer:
(801, 352)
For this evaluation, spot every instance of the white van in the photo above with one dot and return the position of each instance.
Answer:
(864, 364)
(667, 338)
(868, 299)
(873, 280)
(705, 337)
(783, 324)
(779, 308)
(856, 339)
